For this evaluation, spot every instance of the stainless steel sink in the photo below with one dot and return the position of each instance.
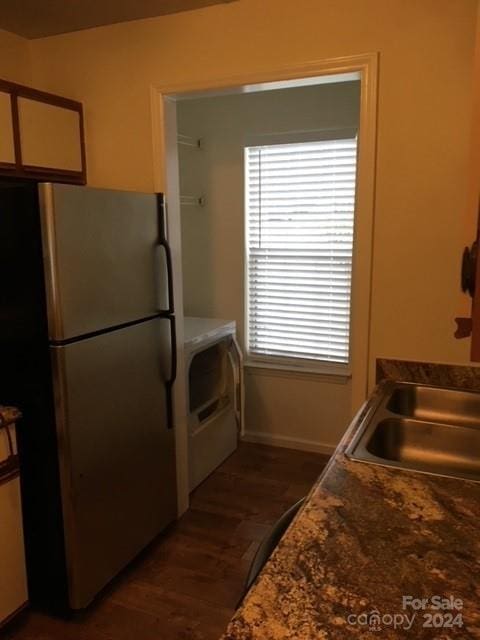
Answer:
(434, 404)
(421, 428)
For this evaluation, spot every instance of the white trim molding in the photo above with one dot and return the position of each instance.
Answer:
(287, 442)
(321, 374)
(283, 77)
(163, 98)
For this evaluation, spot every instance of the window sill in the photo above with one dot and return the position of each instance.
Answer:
(321, 373)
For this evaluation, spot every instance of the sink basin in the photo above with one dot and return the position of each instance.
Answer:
(421, 428)
(435, 404)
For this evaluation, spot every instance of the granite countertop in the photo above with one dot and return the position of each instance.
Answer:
(367, 537)
(8, 415)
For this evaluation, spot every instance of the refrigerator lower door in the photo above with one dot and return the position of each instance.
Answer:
(117, 455)
(104, 266)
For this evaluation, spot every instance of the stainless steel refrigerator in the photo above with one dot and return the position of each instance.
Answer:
(89, 329)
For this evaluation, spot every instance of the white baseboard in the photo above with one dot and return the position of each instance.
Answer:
(261, 437)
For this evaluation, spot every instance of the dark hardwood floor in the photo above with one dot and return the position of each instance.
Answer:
(186, 585)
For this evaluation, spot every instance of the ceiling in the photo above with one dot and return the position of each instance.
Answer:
(37, 19)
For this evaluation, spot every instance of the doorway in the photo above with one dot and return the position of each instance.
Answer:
(211, 233)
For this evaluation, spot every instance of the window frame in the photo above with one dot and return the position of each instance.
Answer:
(341, 371)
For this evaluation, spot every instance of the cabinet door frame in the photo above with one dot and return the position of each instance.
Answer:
(19, 169)
(9, 166)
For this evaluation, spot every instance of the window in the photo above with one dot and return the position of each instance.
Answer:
(300, 200)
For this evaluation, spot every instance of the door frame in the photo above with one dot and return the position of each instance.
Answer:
(165, 170)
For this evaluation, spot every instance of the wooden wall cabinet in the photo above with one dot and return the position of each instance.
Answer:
(41, 135)
(7, 145)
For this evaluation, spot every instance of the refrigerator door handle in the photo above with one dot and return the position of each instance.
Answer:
(164, 249)
(173, 372)
(163, 273)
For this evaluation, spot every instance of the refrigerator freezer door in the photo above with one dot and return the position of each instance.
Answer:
(101, 258)
(117, 456)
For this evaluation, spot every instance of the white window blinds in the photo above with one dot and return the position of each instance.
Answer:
(300, 202)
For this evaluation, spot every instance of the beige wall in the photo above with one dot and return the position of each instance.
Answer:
(426, 51)
(424, 109)
(288, 408)
(14, 58)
